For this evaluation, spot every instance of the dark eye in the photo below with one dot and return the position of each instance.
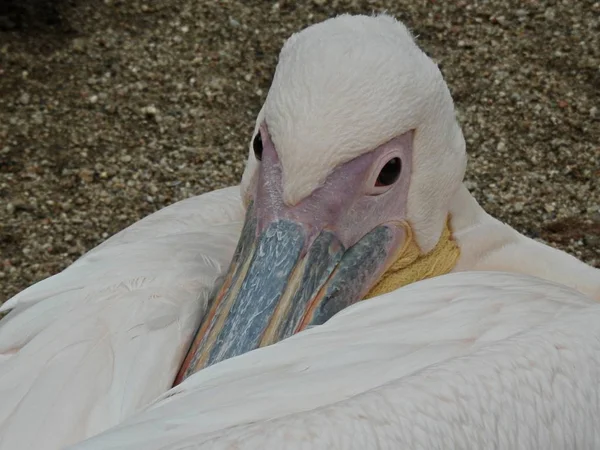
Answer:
(389, 173)
(257, 145)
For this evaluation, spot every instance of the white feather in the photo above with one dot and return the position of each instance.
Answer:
(85, 349)
(468, 360)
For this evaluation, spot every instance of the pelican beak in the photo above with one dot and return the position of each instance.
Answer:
(282, 280)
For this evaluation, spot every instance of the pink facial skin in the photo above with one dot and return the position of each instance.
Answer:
(333, 245)
(348, 203)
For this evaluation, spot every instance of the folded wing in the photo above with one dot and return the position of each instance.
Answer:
(466, 360)
(85, 349)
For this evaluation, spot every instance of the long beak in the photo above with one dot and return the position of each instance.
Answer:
(282, 281)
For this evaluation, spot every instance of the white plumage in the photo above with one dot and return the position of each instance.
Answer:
(467, 360)
(478, 360)
(85, 349)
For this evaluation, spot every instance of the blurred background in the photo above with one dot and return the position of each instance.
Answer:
(112, 109)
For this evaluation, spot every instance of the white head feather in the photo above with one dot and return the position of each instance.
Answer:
(343, 87)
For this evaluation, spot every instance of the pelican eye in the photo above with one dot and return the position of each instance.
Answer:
(389, 173)
(257, 145)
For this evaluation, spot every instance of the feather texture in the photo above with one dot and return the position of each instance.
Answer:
(83, 350)
(482, 360)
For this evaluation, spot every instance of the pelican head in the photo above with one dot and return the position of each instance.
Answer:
(355, 156)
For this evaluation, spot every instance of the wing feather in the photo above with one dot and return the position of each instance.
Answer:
(88, 347)
(432, 336)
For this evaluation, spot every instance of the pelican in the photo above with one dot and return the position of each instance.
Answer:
(352, 190)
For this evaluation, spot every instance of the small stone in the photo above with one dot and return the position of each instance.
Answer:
(37, 118)
(24, 99)
(150, 110)
(126, 158)
(86, 175)
(93, 99)
(78, 44)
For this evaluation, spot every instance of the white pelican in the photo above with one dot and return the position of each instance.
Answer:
(353, 188)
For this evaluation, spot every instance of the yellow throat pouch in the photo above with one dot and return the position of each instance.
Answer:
(411, 265)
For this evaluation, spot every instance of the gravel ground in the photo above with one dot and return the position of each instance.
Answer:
(110, 110)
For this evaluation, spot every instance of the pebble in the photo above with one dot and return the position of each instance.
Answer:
(78, 44)
(150, 110)
(37, 118)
